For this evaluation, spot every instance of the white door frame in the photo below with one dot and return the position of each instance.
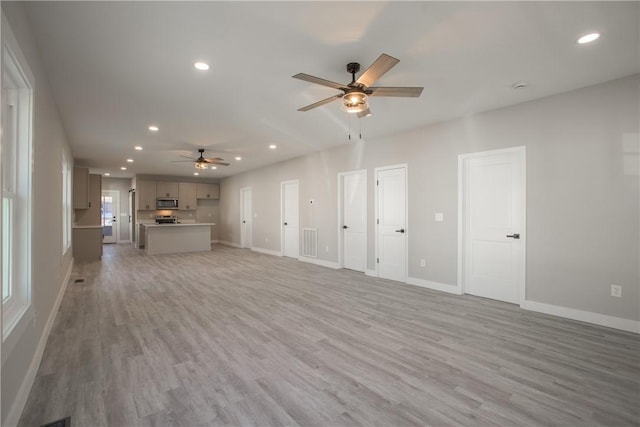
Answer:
(282, 184)
(462, 158)
(406, 215)
(115, 194)
(341, 176)
(242, 208)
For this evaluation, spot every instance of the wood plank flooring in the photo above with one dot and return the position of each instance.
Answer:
(233, 337)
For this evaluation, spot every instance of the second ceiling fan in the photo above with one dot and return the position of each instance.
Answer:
(355, 94)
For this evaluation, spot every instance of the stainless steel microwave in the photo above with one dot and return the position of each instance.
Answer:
(165, 203)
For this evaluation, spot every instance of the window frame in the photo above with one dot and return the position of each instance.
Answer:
(17, 309)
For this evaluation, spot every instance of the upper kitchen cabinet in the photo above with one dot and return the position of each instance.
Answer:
(90, 216)
(80, 188)
(187, 191)
(208, 191)
(146, 195)
(167, 189)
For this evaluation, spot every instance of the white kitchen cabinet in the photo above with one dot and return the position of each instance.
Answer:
(208, 191)
(146, 195)
(87, 243)
(187, 200)
(167, 189)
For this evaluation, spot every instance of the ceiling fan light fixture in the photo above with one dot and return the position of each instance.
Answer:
(355, 102)
(201, 165)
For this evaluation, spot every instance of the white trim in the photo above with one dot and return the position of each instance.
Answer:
(436, 286)
(406, 214)
(266, 251)
(224, 242)
(341, 176)
(320, 262)
(522, 150)
(584, 316)
(17, 407)
(371, 273)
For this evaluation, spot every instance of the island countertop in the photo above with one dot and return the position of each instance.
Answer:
(191, 224)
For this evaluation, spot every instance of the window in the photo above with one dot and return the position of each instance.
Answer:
(15, 165)
(67, 208)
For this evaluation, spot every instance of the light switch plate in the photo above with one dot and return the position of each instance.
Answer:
(439, 216)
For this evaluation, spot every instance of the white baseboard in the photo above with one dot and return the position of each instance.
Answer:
(25, 388)
(266, 251)
(224, 242)
(370, 273)
(584, 316)
(328, 264)
(442, 287)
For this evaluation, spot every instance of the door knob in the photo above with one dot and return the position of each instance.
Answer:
(345, 227)
(514, 235)
(400, 231)
(244, 222)
(285, 223)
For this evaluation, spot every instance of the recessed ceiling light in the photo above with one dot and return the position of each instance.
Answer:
(137, 147)
(588, 38)
(213, 167)
(123, 168)
(273, 146)
(130, 160)
(196, 173)
(107, 174)
(238, 158)
(202, 66)
(154, 128)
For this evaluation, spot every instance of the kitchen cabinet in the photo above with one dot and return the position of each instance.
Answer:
(187, 192)
(80, 188)
(167, 189)
(87, 243)
(91, 216)
(146, 195)
(208, 191)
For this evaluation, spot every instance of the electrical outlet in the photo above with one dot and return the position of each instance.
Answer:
(326, 249)
(616, 291)
(209, 214)
(266, 240)
(423, 263)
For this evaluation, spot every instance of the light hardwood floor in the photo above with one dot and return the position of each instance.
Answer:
(234, 337)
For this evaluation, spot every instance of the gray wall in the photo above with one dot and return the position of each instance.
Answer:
(122, 186)
(48, 262)
(583, 224)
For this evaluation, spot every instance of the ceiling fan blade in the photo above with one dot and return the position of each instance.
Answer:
(190, 158)
(213, 159)
(177, 161)
(396, 91)
(318, 80)
(219, 163)
(319, 103)
(365, 113)
(380, 66)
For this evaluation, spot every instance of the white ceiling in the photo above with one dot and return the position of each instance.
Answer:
(117, 67)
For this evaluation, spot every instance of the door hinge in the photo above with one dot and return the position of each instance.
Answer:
(377, 182)
(378, 260)
(377, 221)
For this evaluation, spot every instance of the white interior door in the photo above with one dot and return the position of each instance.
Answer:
(354, 220)
(246, 229)
(493, 217)
(109, 216)
(391, 184)
(290, 223)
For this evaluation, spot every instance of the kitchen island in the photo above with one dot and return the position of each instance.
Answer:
(177, 238)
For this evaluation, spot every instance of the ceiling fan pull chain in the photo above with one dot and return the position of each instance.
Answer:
(349, 125)
(360, 124)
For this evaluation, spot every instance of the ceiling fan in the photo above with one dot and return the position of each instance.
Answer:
(355, 94)
(202, 163)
